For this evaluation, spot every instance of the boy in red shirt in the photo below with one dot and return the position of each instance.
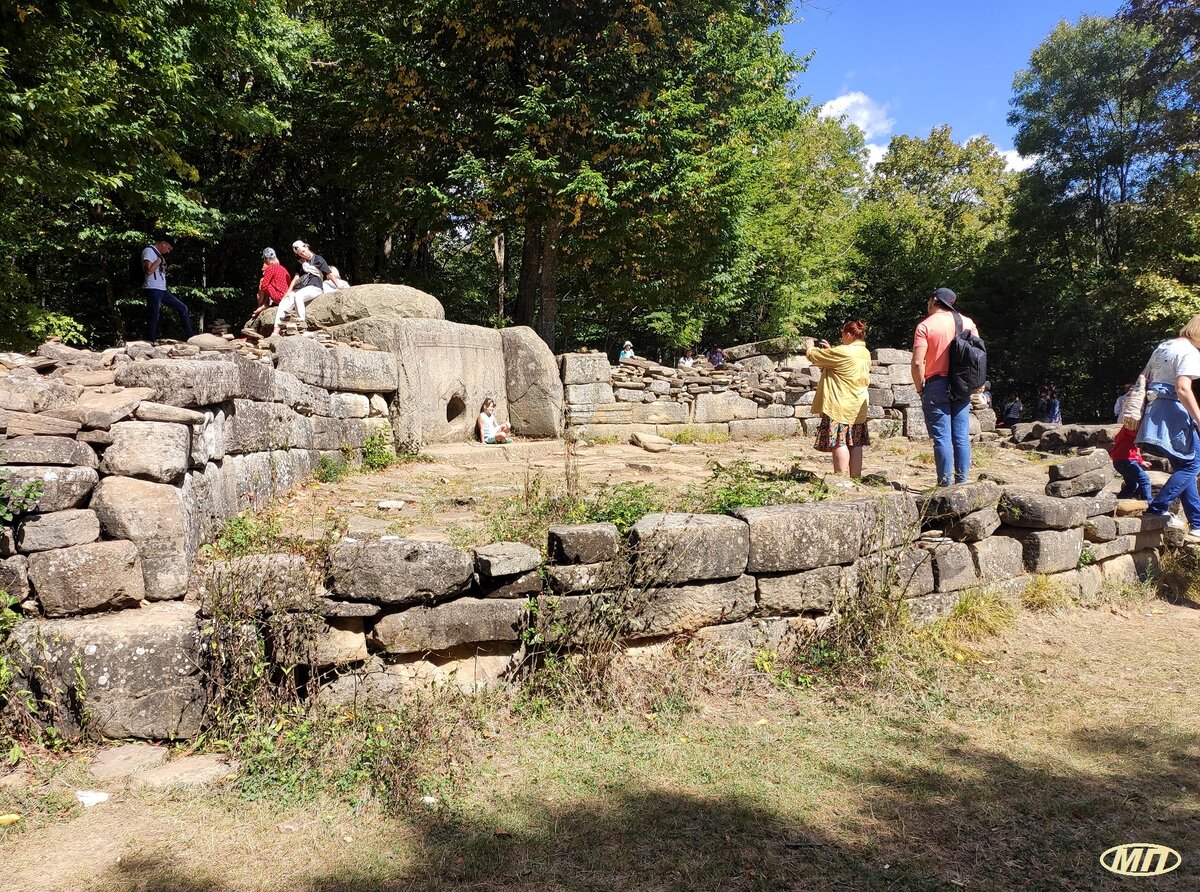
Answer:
(274, 283)
(1127, 459)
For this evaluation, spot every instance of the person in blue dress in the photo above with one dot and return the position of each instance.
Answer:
(1169, 424)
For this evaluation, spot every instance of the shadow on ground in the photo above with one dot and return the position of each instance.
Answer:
(950, 817)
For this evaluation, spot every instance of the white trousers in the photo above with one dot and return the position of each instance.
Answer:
(296, 299)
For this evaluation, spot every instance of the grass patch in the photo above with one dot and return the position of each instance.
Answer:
(741, 484)
(1046, 595)
(331, 470)
(977, 615)
(1179, 575)
(690, 436)
(247, 533)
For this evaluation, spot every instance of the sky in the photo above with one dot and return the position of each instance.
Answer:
(905, 66)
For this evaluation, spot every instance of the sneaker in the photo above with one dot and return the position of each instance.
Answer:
(1175, 522)
(1192, 537)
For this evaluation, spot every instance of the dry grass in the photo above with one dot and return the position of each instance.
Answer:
(1046, 595)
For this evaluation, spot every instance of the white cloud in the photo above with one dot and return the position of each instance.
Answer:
(1017, 162)
(875, 153)
(862, 111)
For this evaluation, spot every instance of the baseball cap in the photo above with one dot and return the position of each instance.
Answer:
(945, 297)
(269, 254)
(298, 244)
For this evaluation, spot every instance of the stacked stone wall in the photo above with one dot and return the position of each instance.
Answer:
(764, 389)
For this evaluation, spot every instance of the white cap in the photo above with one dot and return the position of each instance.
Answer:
(298, 244)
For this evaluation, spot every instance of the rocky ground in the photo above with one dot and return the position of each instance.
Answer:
(451, 496)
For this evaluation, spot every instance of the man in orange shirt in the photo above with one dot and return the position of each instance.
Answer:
(948, 419)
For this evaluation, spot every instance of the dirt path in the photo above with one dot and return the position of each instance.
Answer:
(1071, 734)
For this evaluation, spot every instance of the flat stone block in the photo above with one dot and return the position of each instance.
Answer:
(445, 626)
(399, 571)
(47, 451)
(672, 548)
(154, 450)
(506, 559)
(787, 538)
(62, 529)
(585, 543)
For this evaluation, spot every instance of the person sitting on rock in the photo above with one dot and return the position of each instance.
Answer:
(686, 361)
(716, 357)
(274, 283)
(627, 351)
(489, 429)
(307, 284)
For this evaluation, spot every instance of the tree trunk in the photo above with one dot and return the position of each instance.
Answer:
(531, 268)
(548, 282)
(498, 249)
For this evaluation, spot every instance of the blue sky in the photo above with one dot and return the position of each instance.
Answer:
(905, 66)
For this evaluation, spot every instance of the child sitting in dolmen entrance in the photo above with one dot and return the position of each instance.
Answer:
(490, 430)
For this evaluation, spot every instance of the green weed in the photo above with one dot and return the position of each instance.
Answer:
(331, 470)
(741, 484)
(245, 534)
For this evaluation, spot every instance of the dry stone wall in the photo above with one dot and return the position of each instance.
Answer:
(765, 389)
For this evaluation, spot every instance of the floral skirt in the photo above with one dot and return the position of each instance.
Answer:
(832, 434)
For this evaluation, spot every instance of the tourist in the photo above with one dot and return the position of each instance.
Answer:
(489, 429)
(987, 394)
(1169, 421)
(947, 417)
(1052, 410)
(154, 287)
(274, 283)
(841, 399)
(307, 284)
(686, 361)
(1014, 410)
(627, 351)
(716, 357)
(1127, 459)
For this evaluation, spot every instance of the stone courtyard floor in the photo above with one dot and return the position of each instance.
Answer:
(452, 494)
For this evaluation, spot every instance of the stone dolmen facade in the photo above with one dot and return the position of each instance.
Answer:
(765, 389)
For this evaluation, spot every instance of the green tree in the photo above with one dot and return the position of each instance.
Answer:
(933, 211)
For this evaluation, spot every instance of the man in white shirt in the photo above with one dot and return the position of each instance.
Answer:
(154, 287)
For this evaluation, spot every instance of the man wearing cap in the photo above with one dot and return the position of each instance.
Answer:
(306, 285)
(274, 283)
(948, 419)
(154, 286)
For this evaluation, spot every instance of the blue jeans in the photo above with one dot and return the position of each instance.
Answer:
(155, 298)
(1137, 481)
(949, 423)
(1181, 485)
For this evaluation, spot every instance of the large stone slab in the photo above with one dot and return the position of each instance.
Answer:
(786, 538)
(189, 772)
(445, 626)
(337, 367)
(890, 520)
(363, 301)
(532, 382)
(1085, 484)
(260, 427)
(303, 398)
(399, 571)
(960, 500)
(341, 641)
(151, 515)
(62, 529)
(506, 559)
(444, 372)
(998, 558)
(585, 368)
(1092, 460)
(155, 450)
(686, 608)
(953, 567)
(728, 406)
(790, 594)
(140, 668)
(672, 548)
(184, 382)
(83, 578)
(583, 543)
(1049, 551)
(660, 412)
(62, 487)
(27, 424)
(47, 451)
(973, 527)
(151, 411)
(589, 394)
(121, 762)
(1031, 510)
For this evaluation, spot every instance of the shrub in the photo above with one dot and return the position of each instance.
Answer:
(331, 470)
(16, 500)
(377, 452)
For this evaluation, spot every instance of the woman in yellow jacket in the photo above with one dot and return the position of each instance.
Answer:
(841, 398)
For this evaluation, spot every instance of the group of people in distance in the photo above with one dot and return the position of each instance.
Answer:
(277, 288)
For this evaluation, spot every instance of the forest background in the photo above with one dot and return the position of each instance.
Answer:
(598, 170)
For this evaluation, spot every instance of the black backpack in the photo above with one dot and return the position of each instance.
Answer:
(968, 361)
